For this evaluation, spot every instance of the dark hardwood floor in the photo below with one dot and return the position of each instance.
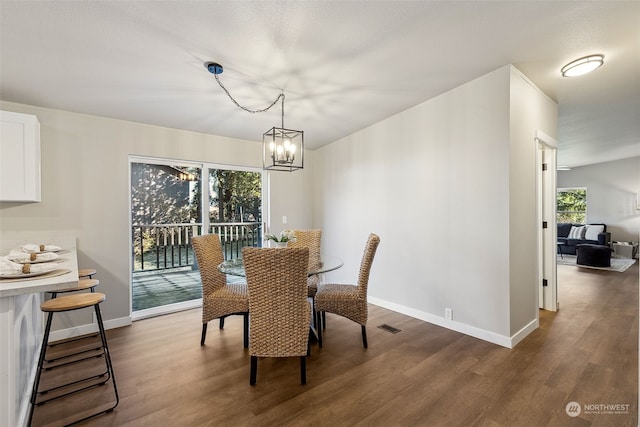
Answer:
(424, 375)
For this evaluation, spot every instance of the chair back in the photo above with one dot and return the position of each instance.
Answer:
(280, 314)
(309, 239)
(365, 265)
(209, 255)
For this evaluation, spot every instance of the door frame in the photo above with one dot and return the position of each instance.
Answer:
(546, 187)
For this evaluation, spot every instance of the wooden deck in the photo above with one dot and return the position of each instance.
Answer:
(165, 287)
(155, 289)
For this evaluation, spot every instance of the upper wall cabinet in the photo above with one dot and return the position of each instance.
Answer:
(19, 157)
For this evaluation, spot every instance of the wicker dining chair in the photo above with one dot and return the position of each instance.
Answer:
(309, 239)
(280, 313)
(349, 301)
(219, 299)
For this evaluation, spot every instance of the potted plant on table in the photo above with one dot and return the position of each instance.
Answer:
(282, 239)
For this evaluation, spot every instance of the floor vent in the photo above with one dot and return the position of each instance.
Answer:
(389, 328)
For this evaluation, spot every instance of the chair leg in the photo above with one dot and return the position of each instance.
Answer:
(245, 337)
(364, 336)
(107, 353)
(314, 313)
(36, 381)
(254, 369)
(222, 322)
(324, 320)
(204, 333)
(319, 327)
(303, 370)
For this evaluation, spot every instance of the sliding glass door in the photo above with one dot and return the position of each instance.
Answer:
(172, 201)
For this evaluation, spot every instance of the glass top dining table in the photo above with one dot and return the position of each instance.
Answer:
(235, 267)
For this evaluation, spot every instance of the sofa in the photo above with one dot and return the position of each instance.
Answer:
(571, 235)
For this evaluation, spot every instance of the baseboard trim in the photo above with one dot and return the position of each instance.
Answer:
(472, 331)
(526, 330)
(479, 333)
(90, 328)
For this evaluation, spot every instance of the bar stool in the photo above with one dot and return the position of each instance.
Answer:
(60, 305)
(83, 284)
(86, 272)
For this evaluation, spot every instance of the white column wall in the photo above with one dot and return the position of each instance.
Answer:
(530, 110)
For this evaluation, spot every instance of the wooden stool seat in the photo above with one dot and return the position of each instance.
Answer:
(72, 302)
(83, 284)
(86, 272)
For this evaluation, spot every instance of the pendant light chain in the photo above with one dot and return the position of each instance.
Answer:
(262, 110)
(282, 149)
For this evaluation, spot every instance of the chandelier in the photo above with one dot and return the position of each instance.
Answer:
(282, 149)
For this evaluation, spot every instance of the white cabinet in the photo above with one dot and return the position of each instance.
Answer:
(19, 157)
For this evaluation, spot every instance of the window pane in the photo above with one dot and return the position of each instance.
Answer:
(165, 214)
(235, 211)
(572, 205)
(236, 196)
(162, 194)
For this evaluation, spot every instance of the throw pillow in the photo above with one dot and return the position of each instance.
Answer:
(563, 229)
(592, 231)
(577, 233)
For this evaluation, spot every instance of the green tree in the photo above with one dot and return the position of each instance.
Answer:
(236, 196)
(161, 194)
(571, 205)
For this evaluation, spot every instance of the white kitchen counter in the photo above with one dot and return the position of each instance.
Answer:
(21, 329)
(69, 259)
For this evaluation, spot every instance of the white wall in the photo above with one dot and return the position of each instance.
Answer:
(437, 183)
(612, 188)
(530, 110)
(85, 190)
(292, 197)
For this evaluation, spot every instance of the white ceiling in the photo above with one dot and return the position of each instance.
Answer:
(343, 65)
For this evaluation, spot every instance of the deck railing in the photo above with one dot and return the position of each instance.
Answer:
(165, 246)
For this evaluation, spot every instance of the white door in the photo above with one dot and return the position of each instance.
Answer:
(547, 237)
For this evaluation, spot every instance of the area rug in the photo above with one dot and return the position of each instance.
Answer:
(617, 264)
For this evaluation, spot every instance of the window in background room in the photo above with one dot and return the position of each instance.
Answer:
(572, 205)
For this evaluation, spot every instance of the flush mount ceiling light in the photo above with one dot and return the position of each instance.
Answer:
(582, 66)
(282, 149)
